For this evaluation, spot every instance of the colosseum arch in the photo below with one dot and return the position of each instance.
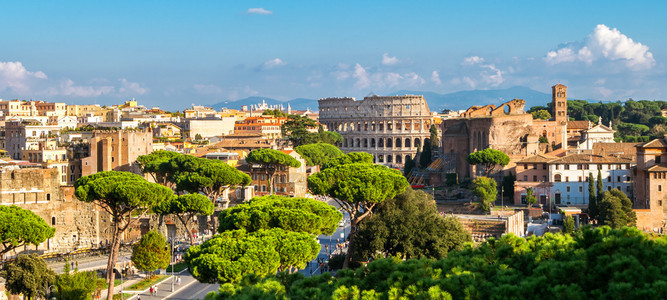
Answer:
(399, 159)
(398, 142)
(389, 160)
(365, 143)
(372, 142)
(381, 142)
(407, 143)
(389, 143)
(418, 142)
(358, 143)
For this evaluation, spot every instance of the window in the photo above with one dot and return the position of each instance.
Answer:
(659, 202)
(581, 189)
(112, 159)
(608, 188)
(544, 178)
(659, 188)
(534, 166)
(567, 167)
(53, 220)
(556, 166)
(568, 189)
(48, 197)
(608, 178)
(525, 177)
(544, 166)
(557, 178)
(618, 178)
(579, 178)
(567, 178)
(657, 159)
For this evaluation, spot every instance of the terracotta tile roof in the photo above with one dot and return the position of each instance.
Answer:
(540, 158)
(592, 159)
(615, 148)
(657, 143)
(658, 168)
(576, 125)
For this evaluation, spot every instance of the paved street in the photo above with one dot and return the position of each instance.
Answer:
(189, 288)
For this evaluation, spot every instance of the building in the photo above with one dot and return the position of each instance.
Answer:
(650, 186)
(206, 128)
(78, 225)
(117, 150)
(288, 181)
(507, 128)
(564, 180)
(391, 128)
(596, 134)
(200, 112)
(27, 135)
(266, 126)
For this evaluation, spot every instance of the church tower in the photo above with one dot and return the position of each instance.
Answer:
(559, 103)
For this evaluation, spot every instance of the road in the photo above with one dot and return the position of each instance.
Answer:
(189, 288)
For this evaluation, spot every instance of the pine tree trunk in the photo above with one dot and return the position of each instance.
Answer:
(113, 258)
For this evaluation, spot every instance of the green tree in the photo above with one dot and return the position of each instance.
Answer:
(357, 188)
(331, 137)
(298, 129)
(489, 158)
(76, 285)
(209, 177)
(198, 137)
(408, 166)
(568, 224)
(426, 154)
(318, 154)
(349, 158)
(600, 187)
(530, 198)
(158, 165)
(408, 226)
(122, 195)
(185, 208)
(28, 275)
(615, 209)
(151, 252)
(434, 138)
(541, 114)
(275, 113)
(592, 200)
(270, 160)
(291, 214)
(21, 227)
(486, 190)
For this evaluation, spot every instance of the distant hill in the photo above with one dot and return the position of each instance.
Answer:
(436, 102)
(465, 99)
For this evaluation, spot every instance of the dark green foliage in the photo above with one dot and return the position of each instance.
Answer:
(486, 191)
(434, 138)
(76, 285)
(615, 209)
(408, 166)
(271, 160)
(408, 226)
(543, 140)
(20, 227)
(157, 164)
(231, 255)
(151, 252)
(541, 114)
(292, 214)
(489, 159)
(28, 275)
(530, 198)
(185, 208)
(318, 154)
(331, 137)
(592, 199)
(193, 175)
(568, 224)
(357, 188)
(426, 154)
(296, 130)
(350, 158)
(599, 263)
(508, 185)
(599, 187)
(452, 179)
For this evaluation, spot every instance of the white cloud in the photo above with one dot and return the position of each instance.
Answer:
(435, 77)
(492, 75)
(389, 60)
(274, 63)
(366, 79)
(133, 88)
(14, 76)
(68, 88)
(259, 11)
(604, 43)
(473, 60)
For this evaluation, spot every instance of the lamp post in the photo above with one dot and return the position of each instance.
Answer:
(172, 264)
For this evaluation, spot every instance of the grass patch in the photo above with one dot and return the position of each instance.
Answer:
(178, 267)
(105, 285)
(141, 285)
(125, 296)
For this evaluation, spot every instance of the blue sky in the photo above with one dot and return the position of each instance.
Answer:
(175, 53)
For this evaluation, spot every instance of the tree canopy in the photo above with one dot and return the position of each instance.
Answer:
(541, 114)
(157, 164)
(210, 177)
(615, 209)
(489, 159)
(274, 112)
(271, 160)
(20, 227)
(357, 188)
(151, 252)
(75, 285)
(486, 190)
(318, 154)
(349, 158)
(185, 208)
(296, 129)
(28, 275)
(331, 137)
(120, 194)
(599, 263)
(408, 226)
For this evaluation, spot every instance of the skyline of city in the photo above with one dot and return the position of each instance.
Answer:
(168, 54)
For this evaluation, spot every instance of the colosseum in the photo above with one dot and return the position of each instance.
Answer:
(391, 128)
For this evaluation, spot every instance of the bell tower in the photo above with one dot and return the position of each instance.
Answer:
(559, 103)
